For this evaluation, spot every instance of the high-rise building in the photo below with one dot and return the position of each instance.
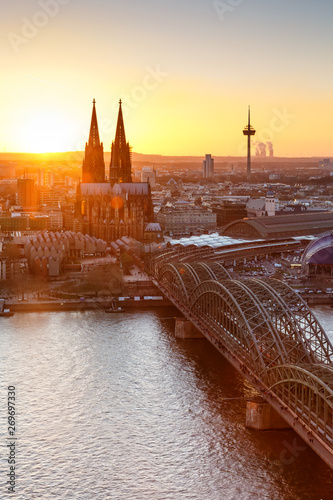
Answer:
(148, 175)
(68, 181)
(50, 178)
(40, 177)
(26, 196)
(121, 162)
(68, 217)
(208, 167)
(93, 167)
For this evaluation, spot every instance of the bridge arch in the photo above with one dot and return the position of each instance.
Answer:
(308, 391)
(312, 332)
(171, 278)
(282, 316)
(238, 320)
(181, 278)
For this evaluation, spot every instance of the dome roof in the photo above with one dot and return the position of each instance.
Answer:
(320, 250)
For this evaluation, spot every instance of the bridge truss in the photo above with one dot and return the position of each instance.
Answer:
(267, 332)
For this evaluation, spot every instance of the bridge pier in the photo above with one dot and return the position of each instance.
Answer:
(184, 329)
(261, 416)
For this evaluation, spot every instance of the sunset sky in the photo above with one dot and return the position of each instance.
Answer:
(185, 70)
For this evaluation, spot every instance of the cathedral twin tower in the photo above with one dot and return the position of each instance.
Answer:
(93, 167)
(120, 207)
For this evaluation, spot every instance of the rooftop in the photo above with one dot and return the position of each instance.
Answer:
(211, 240)
(281, 225)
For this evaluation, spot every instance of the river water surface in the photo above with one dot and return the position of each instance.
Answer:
(114, 407)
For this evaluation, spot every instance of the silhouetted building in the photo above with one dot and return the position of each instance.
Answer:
(50, 196)
(148, 175)
(68, 217)
(26, 193)
(229, 212)
(50, 178)
(93, 168)
(56, 219)
(121, 164)
(40, 177)
(110, 210)
(24, 223)
(208, 167)
(14, 224)
(38, 222)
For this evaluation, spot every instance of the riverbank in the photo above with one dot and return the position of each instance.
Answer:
(318, 300)
(84, 305)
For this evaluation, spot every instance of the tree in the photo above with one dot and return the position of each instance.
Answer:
(127, 262)
(99, 281)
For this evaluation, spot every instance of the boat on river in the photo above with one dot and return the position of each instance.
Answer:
(114, 308)
(118, 310)
(4, 313)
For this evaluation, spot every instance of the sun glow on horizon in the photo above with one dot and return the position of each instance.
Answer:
(45, 133)
(168, 124)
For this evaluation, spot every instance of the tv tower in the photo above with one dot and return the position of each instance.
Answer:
(248, 130)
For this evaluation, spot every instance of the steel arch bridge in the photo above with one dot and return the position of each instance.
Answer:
(268, 333)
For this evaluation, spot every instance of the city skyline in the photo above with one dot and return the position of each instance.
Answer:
(185, 71)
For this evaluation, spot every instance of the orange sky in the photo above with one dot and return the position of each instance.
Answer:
(186, 72)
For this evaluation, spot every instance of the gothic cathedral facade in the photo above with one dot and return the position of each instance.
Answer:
(112, 207)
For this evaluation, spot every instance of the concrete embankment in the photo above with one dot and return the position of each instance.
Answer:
(318, 300)
(76, 305)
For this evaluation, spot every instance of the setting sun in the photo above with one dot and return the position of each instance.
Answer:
(45, 132)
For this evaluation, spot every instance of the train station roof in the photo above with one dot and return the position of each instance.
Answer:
(280, 226)
(214, 240)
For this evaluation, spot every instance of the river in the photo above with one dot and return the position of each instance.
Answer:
(114, 407)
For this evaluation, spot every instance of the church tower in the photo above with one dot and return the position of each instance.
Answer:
(93, 167)
(121, 163)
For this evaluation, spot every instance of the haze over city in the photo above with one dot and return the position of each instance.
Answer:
(186, 72)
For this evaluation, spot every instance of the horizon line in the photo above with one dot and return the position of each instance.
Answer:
(2, 153)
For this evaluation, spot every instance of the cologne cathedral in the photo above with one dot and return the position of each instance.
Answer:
(112, 207)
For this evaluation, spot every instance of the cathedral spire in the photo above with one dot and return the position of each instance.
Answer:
(120, 139)
(93, 167)
(120, 165)
(94, 134)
